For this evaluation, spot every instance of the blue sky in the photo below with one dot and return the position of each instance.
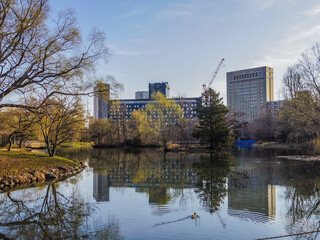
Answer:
(182, 41)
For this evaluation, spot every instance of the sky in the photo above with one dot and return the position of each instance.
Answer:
(182, 41)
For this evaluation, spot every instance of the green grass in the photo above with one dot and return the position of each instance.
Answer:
(77, 145)
(16, 162)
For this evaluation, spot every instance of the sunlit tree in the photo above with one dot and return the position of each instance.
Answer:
(160, 118)
(59, 121)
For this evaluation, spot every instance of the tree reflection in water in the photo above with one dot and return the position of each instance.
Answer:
(50, 215)
(213, 171)
(303, 197)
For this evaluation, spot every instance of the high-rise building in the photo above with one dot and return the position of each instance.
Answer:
(100, 101)
(142, 95)
(162, 87)
(249, 90)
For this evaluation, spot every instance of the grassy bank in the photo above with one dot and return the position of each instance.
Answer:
(77, 145)
(287, 146)
(311, 147)
(18, 162)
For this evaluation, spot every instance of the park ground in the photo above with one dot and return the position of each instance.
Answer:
(21, 168)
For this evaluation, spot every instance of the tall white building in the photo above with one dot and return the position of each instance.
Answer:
(249, 90)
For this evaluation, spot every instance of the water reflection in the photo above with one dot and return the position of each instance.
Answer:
(303, 198)
(247, 180)
(43, 215)
(46, 213)
(101, 185)
(250, 193)
(150, 172)
(249, 186)
(213, 171)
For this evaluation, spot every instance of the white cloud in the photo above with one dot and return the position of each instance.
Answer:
(132, 13)
(302, 35)
(287, 51)
(124, 52)
(183, 10)
(116, 50)
(314, 11)
(263, 5)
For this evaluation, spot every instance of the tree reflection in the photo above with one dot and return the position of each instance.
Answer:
(110, 231)
(213, 171)
(49, 215)
(303, 197)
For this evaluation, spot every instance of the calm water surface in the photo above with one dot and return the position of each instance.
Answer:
(147, 194)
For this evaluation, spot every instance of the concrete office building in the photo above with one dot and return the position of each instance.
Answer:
(249, 90)
(142, 95)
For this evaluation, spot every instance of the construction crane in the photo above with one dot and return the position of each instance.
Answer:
(206, 87)
(205, 94)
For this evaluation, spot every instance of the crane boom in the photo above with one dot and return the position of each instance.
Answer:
(205, 86)
(216, 72)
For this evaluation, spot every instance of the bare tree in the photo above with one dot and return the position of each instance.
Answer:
(302, 92)
(43, 55)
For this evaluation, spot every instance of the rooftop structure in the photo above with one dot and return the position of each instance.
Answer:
(162, 87)
(142, 95)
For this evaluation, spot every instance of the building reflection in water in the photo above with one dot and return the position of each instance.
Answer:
(155, 178)
(250, 197)
(251, 192)
(101, 185)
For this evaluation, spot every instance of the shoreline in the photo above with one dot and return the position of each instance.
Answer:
(284, 146)
(37, 178)
(176, 148)
(18, 173)
(301, 158)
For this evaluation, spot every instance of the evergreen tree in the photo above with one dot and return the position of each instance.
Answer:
(213, 128)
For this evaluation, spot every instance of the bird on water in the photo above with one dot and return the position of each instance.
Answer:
(194, 216)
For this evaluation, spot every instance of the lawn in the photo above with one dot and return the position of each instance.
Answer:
(20, 161)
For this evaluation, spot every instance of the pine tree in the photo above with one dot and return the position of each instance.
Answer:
(213, 129)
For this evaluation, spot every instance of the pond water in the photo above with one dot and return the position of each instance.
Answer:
(147, 194)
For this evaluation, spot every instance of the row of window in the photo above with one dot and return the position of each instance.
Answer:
(248, 75)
